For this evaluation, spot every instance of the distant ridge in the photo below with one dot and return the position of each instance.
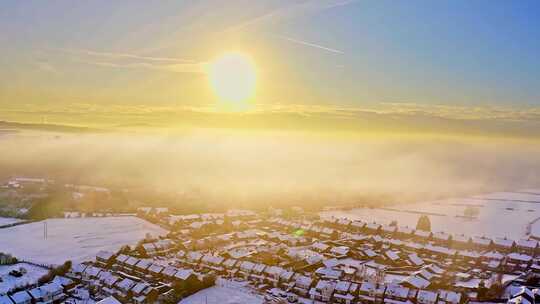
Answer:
(7, 126)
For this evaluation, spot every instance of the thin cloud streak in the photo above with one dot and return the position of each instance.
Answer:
(119, 55)
(122, 60)
(310, 44)
(196, 68)
(291, 11)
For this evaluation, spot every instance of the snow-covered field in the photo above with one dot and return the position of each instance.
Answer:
(7, 282)
(8, 220)
(76, 239)
(500, 214)
(225, 292)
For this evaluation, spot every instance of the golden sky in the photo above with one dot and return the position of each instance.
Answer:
(323, 66)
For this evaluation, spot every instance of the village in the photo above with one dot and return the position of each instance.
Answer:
(297, 257)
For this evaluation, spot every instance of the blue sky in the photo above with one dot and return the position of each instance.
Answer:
(334, 52)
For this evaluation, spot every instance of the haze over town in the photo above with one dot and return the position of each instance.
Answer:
(270, 151)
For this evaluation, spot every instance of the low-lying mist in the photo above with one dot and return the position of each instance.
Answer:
(267, 168)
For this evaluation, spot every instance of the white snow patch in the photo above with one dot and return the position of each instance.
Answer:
(77, 239)
(7, 282)
(225, 292)
(449, 215)
(8, 220)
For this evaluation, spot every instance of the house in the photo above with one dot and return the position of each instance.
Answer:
(323, 291)
(523, 296)
(143, 265)
(144, 293)
(246, 267)
(212, 261)
(47, 293)
(320, 247)
(66, 283)
(394, 243)
(369, 253)
(139, 288)
(340, 251)
(396, 292)
(185, 275)
(404, 232)
(440, 250)
(358, 225)
(257, 272)
(230, 266)
(130, 263)
(415, 281)
(371, 292)
(344, 222)
(433, 268)
(461, 241)
(169, 272)
(426, 297)
(105, 258)
(392, 256)
(389, 229)
(372, 227)
(77, 270)
(272, 274)
(163, 246)
(492, 255)
(345, 292)
(442, 238)
(155, 270)
(527, 246)
(329, 273)
(481, 242)
(449, 297)
(91, 272)
(503, 244)
(468, 255)
(421, 234)
(108, 279)
(121, 259)
(21, 297)
(302, 285)
(415, 259)
(109, 300)
(149, 249)
(5, 300)
(125, 286)
(285, 278)
(517, 260)
(194, 257)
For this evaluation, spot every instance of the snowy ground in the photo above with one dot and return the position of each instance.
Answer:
(494, 211)
(225, 292)
(8, 220)
(8, 282)
(76, 239)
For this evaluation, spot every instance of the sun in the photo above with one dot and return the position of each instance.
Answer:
(233, 79)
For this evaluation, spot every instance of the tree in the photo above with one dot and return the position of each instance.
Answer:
(209, 280)
(471, 212)
(424, 223)
(482, 291)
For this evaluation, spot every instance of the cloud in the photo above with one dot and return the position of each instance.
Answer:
(314, 45)
(117, 55)
(122, 60)
(395, 118)
(290, 11)
(46, 67)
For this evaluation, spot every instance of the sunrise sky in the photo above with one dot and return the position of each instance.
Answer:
(459, 67)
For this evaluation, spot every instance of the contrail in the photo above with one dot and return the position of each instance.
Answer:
(318, 46)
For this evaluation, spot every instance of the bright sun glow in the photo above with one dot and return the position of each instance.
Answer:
(233, 78)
